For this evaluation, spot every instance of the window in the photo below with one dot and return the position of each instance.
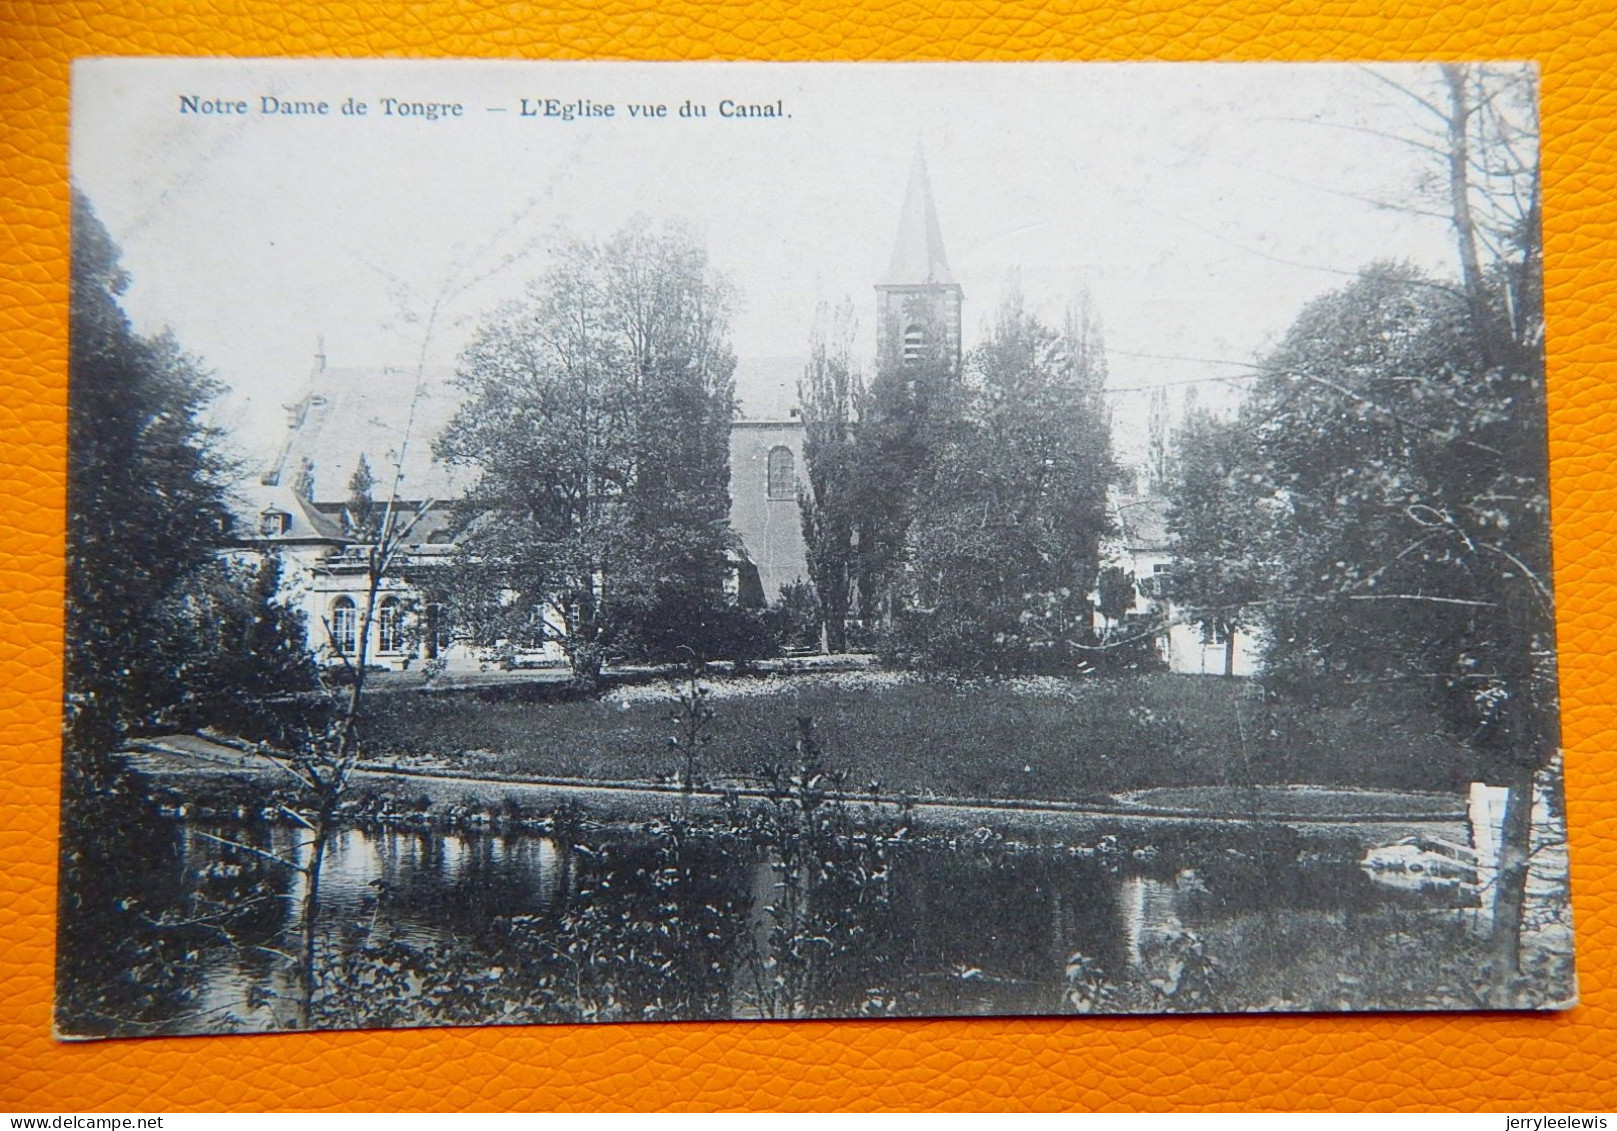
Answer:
(390, 626)
(782, 474)
(914, 343)
(344, 625)
(273, 522)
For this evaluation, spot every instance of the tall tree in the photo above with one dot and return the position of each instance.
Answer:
(1005, 542)
(1492, 137)
(1479, 124)
(1219, 576)
(1397, 465)
(672, 312)
(1407, 497)
(597, 415)
(145, 510)
(1398, 478)
(912, 402)
(829, 392)
(146, 494)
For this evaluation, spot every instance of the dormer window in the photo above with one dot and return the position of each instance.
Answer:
(914, 343)
(273, 523)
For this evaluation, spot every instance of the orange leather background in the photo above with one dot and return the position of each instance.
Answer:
(1565, 1061)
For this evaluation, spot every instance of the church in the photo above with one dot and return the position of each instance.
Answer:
(296, 508)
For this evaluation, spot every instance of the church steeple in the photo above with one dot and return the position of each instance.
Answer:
(918, 255)
(917, 300)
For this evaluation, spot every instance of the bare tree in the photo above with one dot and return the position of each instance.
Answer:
(381, 530)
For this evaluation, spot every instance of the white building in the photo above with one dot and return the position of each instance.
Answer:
(1144, 547)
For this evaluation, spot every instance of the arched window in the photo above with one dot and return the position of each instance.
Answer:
(390, 626)
(273, 522)
(914, 343)
(345, 625)
(782, 474)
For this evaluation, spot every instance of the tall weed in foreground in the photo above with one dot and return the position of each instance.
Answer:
(692, 715)
(821, 950)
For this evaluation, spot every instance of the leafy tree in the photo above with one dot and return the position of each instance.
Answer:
(145, 509)
(229, 644)
(829, 392)
(1004, 546)
(1406, 472)
(1401, 481)
(1490, 122)
(597, 414)
(1219, 577)
(1404, 467)
(1387, 477)
(903, 417)
(361, 513)
(146, 496)
(1115, 591)
(794, 618)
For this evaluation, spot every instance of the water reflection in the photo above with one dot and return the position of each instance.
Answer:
(1150, 913)
(424, 927)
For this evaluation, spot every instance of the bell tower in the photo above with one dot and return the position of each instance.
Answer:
(917, 300)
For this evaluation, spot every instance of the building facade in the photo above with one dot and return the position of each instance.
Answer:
(390, 418)
(300, 508)
(1144, 547)
(343, 416)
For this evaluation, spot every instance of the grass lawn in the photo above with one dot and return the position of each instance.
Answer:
(1029, 738)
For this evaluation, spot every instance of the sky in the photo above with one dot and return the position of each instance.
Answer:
(1198, 206)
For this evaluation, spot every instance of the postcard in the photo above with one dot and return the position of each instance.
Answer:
(586, 542)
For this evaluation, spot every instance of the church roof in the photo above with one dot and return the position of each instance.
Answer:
(918, 255)
(766, 387)
(343, 413)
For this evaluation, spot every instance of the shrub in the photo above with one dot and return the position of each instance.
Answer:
(674, 626)
(793, 620)
(1133, 647)
(980, 645)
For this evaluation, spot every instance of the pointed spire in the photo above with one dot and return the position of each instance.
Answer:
(918, 255)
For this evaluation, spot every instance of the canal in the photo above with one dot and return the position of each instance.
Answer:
(858, 912)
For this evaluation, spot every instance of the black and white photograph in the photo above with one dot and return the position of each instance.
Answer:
(615, 542)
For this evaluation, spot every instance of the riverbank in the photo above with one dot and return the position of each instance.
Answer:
(1041, 738)
(201, 772)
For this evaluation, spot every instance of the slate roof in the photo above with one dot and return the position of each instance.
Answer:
(249, 501)
(343, 413)
(918, 255)
(1143, 522)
